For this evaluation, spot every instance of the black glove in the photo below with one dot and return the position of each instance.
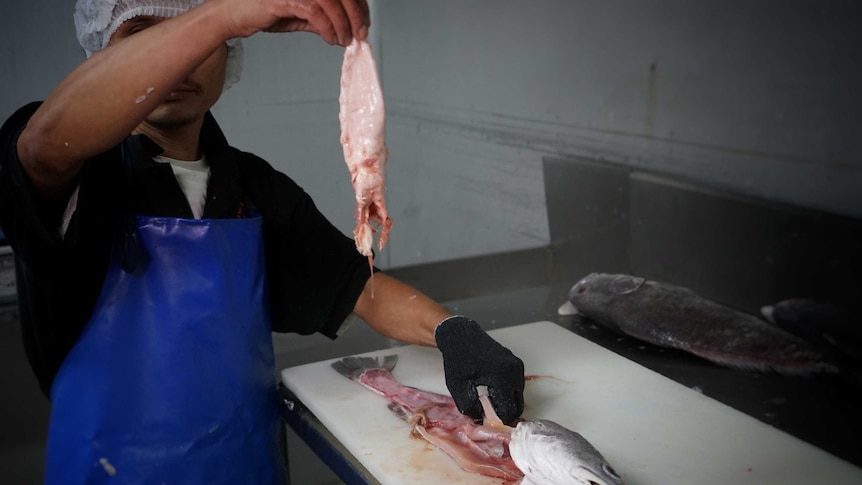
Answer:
(472, 358)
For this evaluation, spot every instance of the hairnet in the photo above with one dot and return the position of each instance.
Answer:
(97, 20)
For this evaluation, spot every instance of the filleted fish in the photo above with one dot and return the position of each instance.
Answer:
(531, 452)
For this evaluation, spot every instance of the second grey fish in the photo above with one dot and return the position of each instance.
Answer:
(834, 330)
(676, 317)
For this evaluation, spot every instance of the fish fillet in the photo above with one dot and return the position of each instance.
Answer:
(363, 131)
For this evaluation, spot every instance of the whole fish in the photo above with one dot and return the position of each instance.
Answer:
(363, 129)
(833, 329)
(533, 452)
(672, 316)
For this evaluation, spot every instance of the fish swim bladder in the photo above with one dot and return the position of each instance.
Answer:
(530, 453)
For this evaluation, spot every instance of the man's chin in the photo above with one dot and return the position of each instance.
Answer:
(167, 119)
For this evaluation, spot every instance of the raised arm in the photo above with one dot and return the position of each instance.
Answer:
(105, 98)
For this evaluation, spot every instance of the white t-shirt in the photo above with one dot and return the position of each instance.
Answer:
(193, 178)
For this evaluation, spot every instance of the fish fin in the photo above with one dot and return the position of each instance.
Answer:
(807, 367)
(353, 367)
(768, 312)
(625, 284)
(399, 410)
(389, 362)
(567, 308)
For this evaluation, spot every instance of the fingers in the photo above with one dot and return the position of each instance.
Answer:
(340, 21)
(508, 402)
(360, 17)
(336, 21)
(507, 405)
(337, 24)
(509, 409)
(468, 402)
(507, 398)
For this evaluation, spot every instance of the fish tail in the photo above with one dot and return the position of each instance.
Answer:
(353, 367)
(400, 410)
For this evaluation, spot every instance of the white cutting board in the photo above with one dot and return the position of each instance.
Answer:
(651, 429)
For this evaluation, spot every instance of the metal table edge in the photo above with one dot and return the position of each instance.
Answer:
(306, 425)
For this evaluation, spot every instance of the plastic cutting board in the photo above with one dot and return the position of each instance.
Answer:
(651, 429)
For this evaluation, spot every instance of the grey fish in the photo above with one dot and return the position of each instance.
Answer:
(534, 452)
(673, 316)
(834, 330)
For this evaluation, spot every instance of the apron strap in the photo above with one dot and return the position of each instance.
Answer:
(130, 251)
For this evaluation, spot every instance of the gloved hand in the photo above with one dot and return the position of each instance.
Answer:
(472, 358)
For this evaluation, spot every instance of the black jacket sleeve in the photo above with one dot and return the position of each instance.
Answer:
(58, 278)
(314, 272)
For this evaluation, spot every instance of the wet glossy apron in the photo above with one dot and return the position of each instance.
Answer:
(171, 381)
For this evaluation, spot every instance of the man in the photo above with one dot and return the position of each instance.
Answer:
(154, 259)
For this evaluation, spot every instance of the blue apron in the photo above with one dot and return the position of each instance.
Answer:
(171, 381)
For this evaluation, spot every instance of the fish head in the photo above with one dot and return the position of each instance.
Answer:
(551, 454)
(597, 290)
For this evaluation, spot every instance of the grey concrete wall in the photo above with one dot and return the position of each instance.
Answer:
(758, 97)
(37, 49)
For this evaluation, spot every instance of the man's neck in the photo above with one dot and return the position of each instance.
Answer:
(178, 142)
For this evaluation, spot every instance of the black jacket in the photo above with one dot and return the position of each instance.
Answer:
(315, 274)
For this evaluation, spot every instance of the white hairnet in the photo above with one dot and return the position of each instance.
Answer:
(97, 20)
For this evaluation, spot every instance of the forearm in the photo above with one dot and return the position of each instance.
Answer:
(399, 311)
(470, 356)
(110, 94)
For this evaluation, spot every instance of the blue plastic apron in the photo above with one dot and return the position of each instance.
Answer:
(171, 381)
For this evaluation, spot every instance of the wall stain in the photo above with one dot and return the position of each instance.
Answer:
(649, 120)
(568, 138)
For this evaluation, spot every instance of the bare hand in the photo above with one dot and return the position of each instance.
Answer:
(336, 21)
